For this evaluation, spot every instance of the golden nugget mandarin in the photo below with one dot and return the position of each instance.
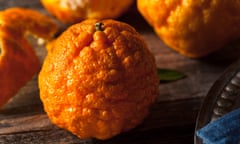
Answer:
(99, 79)
(18, 61)
(194, 28)
(74, 11)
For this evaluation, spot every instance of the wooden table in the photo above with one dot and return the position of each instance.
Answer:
(171, 121)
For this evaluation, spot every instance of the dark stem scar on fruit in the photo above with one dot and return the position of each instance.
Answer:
(99, 26)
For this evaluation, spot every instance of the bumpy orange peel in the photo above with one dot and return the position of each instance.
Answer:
(194, 28)
(99, 79)
(73, 11)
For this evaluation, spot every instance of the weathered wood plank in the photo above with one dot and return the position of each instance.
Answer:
(168, 121)
(172, 119)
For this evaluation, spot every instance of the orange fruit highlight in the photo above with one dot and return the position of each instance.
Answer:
(99, 79)
(194, 28)
(18, 62)
(77, 10)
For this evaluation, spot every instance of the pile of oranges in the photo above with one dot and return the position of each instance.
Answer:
(99, 78)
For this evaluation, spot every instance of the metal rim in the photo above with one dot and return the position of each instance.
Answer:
(221, 98)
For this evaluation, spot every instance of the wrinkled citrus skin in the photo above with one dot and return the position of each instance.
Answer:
(18, 62)
(97, 84)
(194, 28)
(76, 10)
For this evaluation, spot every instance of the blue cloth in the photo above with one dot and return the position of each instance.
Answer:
(224, 130)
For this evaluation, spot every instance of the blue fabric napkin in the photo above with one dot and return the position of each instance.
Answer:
(224, 130)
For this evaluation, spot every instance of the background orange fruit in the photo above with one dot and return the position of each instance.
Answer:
(72, 11)
(98, 81)
(194, 28)
(18, 62)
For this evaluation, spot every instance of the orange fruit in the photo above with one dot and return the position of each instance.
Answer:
(18, 62)
(98, 79)
(76, 10)
(194, 28)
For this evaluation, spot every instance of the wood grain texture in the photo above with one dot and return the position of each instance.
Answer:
(172, 119)
(168, 122)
